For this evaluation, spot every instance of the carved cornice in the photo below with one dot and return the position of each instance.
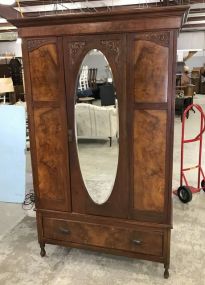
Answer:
(112, 48)
(36, 43)
(75, 49)
(160, 38)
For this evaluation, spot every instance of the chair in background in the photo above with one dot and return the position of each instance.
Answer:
(92, 77)
(107, 95)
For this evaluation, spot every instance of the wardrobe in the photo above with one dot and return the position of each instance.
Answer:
(140, 46)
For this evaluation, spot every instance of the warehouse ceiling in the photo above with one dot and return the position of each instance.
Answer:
(36, 8)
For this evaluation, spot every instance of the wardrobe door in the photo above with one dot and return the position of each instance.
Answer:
(151, 132)
(45, 95)
(89, 169)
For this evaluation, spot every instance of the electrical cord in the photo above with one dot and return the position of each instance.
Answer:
(29, 200)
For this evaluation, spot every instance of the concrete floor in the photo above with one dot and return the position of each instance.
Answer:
(11, 214)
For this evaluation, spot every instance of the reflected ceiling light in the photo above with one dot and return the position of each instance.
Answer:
(7, 2)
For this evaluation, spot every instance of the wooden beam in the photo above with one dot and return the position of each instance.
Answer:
(86, 10)
(8, 12)
(197, 10)
(194, 25)
(47, 2)
(200, 18)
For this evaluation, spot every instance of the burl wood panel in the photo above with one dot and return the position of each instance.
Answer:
(150, 72)
(149, 242)
(44, 66)
(49, 139)
(149, 159)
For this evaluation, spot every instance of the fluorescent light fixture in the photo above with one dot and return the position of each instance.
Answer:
(7, 2)
(193, 49)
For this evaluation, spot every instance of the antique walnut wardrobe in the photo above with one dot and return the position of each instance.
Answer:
(140, 46)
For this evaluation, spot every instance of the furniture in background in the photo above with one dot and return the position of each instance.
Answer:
(92, 77)
(136, 219)
(96, 122)
(13, 67)
(6, 86)
(195, 79)
(5, 70)
(181, 103)
(202, 80)
(107, 94)
(86, 100)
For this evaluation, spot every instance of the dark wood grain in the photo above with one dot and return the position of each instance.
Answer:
(150, 82)
(149, 160)
(140, 47)
(48, 125)
(44, 79)
(104, 236)
(114, 48)
(50, 154)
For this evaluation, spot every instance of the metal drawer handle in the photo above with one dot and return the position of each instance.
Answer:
(137, 242)
(64, 231)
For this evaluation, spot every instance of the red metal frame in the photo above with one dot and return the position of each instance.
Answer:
(199, 138)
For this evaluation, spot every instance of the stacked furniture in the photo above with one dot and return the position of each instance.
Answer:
(140, 46)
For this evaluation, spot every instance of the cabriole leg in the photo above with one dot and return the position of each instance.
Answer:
(166, 271)
(42, 246)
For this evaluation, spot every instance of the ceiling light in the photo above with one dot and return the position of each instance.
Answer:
(7, 2)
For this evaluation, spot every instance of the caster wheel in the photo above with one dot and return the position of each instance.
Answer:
(184, 194)
(203, 184)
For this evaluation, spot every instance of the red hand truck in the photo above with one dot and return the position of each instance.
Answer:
(184, 192)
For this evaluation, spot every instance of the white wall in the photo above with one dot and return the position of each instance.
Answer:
(192, 41)
(196, 61)
(97, 60)
(13, 47)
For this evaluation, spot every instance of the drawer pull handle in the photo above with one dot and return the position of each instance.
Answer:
(136, 241)
(64, 231)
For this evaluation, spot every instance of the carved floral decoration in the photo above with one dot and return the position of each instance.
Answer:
(161, 38)
(75, 50)
(36, 43)
(112, 47)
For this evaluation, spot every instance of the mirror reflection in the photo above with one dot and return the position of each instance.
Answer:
(97, 127)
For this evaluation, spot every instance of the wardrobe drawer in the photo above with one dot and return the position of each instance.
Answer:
(146, 241)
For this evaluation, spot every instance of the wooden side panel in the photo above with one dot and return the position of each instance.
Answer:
(149, 160)
(150, 113)
(43, 72)
(151, 72)
(48, 122)
(50, 153)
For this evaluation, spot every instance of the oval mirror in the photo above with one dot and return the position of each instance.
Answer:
(96, 126)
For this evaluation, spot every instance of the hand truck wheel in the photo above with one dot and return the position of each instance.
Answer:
(184, 194)
(203, 184)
